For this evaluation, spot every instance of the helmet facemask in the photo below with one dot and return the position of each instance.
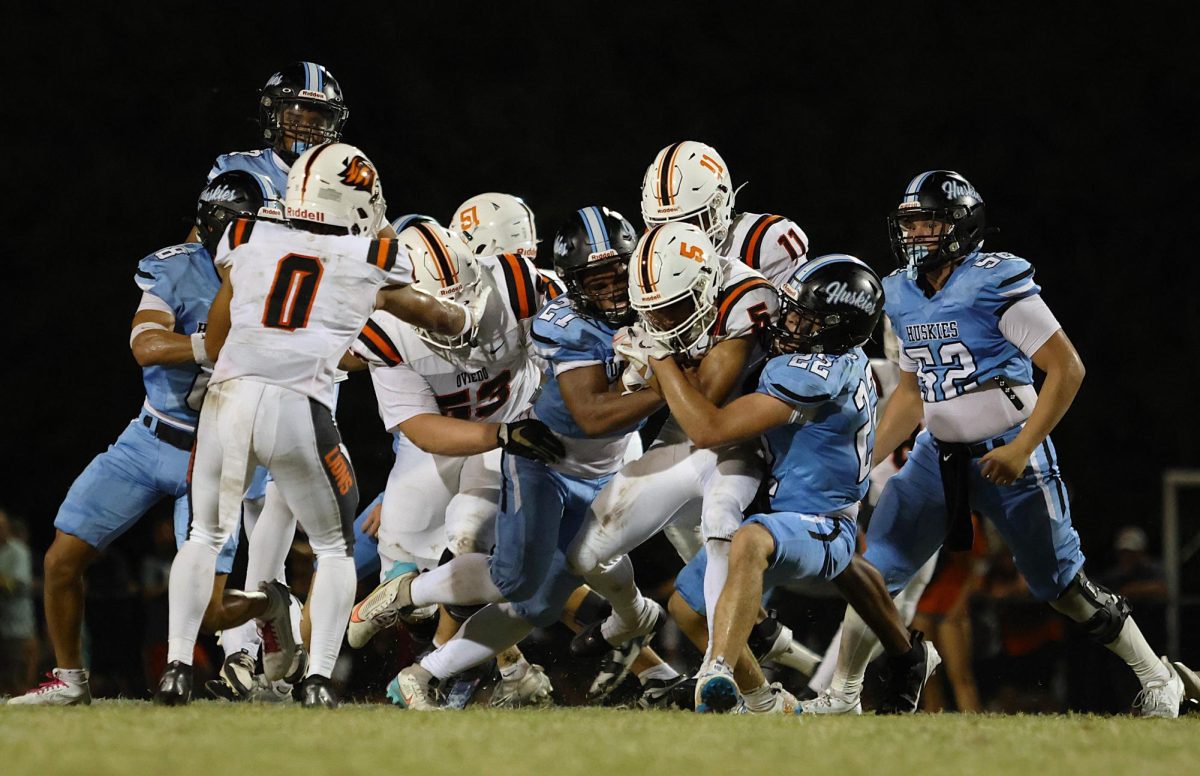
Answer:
(601, 289)
(680, 323)
(456, 348)
(298, 124)
(713, 219)
(799, 329)
(944, 238)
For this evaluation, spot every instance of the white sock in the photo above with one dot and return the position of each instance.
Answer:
(332, 599)
(465, 581)
(630, 610)
(188, 593)
(1132, 647)
(715, 574)
(241, 638)
(661, 671)
(296, 610)
(824, 675)
(72, 675)
(760, 698)
(484, 635)
(858, 642)
(515, 670)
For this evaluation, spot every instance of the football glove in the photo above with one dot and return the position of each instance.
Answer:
(530, 439)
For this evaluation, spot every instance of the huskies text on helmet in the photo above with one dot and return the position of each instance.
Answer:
(829, 305)
(941, 219)
(230, 195)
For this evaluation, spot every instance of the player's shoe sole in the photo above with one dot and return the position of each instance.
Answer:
(716, 693)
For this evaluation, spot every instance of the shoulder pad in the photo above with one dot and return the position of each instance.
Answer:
(800, 378)
(520, 286)
(153, 268)
(238, 232)
(733, 297)
(1003, 280)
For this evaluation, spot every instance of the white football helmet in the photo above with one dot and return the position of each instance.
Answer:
(673, 283)
(496, 223)
(443, 267)
(689, 181)
(337, 185)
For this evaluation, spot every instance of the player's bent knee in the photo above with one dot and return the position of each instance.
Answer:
(1101, 612)
(67, 558)
(752, 542)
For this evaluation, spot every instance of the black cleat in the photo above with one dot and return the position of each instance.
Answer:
(175, 686)
(317, 692)
(590, 643)
(677, 693)
(905, 676)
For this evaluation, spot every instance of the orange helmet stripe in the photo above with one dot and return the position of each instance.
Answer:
(441, 254)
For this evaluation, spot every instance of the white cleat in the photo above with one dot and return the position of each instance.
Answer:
(413, 689)
(533, 688)
(786, 651)
(382, 607)
(278, 641)
(1191, 681)
(830, 702)
(783, 703)
(716, 689)
(55, 692)
(1161, 698)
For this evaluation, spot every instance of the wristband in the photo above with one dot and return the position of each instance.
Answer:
(198, 352)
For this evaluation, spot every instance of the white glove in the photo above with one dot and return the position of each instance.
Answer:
(634, 379)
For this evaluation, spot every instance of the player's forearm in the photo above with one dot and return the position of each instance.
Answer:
(163, 348)
(603, 413)
(423, 311)
(439, 435)
(1055, 398)
(902, 414)
(695, 412)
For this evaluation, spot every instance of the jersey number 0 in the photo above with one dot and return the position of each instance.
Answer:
(292, 292)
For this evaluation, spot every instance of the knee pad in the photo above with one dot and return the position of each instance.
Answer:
(460, 613)
(1108, 609)
(592, 609)
(763, 635)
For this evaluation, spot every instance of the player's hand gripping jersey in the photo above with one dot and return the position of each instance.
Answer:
(299, 301)
(491, 380)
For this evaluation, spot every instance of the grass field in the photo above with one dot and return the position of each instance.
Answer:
(136, 738)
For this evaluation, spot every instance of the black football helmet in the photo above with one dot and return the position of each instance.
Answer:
(301, 106)
(948, 200)
(829, 305)
(595, 237)
(231, 195)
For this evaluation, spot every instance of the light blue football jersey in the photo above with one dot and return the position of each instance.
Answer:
(954, 336)
(820, 463)
(562, 335)
(264, 162)
(184, 277)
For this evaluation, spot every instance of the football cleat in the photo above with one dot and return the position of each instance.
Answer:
(175, 686)
(278, 641)
(1191, 681)
(783, 702)
(830, 702)
(1161, 698)
(716, 689)
(238, 672)
(410, 689)
(786, 651)
(905, 681)
(56, 692)
(383, 606)
(317, 692)
(677, 693)
(463, 687)
(533, 688)
(590, 642)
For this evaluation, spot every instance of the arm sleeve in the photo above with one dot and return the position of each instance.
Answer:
(1028, 324)
(402, 394)
(154, 279)
(150, 301)
(568, 347)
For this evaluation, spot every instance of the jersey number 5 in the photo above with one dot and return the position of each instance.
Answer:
(292, 292)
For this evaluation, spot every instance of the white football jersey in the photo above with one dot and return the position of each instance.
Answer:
(746, 302)
(299, 300)
(773, 245)
(493, 380)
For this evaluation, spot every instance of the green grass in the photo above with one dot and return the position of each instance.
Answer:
(209, 738)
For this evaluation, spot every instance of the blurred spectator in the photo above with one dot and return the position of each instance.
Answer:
(155, 572)
(1136, 575)
(944, 615)
(18, 631)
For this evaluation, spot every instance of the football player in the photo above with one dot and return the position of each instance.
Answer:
(542, 505)
(443, 492)
(972, 325)
(149, 461)
(291, 302)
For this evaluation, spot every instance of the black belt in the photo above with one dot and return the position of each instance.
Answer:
(973, 450)
(954, 463)
(175, 437)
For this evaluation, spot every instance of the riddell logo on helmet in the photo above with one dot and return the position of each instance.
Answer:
(837, 293)
(305, 214)
(309, 93)
(602, 255)
(955, 189)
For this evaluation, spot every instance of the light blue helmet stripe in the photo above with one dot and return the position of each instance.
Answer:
(806, 271)
(915, 185)
(593, 220)
(312, 77)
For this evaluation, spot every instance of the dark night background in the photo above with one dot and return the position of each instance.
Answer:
(1077, 125)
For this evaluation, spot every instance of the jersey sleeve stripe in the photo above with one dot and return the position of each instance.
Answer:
(519, 279)
(382, 253)
(543, 340)
(752, 250)
(240, 232)
(730, 301)
(797, 397)
(374, 338)
(1015, 278)
(549, 288)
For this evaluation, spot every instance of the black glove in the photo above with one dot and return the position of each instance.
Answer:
(530, 439)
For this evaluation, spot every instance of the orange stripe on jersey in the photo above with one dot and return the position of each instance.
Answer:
(383, 253)
(240, 232)
(447, 272)
(520, 284)
(752, 253)
(730, 299)
(379, 344)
